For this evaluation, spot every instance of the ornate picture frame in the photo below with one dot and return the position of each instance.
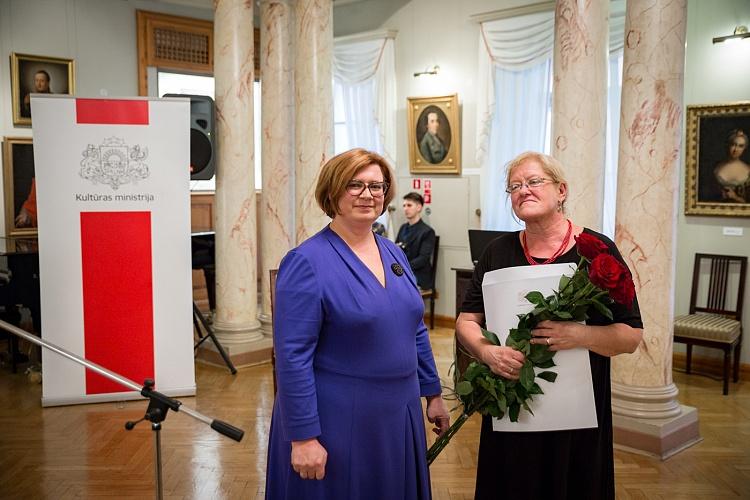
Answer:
(717, 160)
(19, 186)
(41, 74)
(434, 135)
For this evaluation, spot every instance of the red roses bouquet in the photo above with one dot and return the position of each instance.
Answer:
(599, 280)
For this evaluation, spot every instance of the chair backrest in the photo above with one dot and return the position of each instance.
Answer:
(433, 271)
(714, 280)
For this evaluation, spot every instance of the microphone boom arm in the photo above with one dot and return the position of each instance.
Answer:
(146, 391)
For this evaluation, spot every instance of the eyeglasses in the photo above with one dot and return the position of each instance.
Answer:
(377, 189)
(531, 184)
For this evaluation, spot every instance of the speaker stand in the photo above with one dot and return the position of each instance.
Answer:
(198, 321)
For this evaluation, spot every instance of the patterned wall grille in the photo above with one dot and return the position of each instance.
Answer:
(181, 46)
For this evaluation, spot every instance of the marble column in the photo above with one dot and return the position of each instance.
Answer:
(579, 104)
(646, 413)
(277, 148)
(313, 97)
(235, 322)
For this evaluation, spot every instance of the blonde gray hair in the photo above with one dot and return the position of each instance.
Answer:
(551, 166)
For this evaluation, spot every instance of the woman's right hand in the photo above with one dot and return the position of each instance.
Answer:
(309, 459)
(503, 361)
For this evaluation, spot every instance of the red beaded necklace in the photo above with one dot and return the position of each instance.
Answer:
(558, 253)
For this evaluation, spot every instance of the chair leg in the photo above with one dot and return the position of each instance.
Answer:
(736, 367)
(688, 358)
(432, 313)
(727, 357)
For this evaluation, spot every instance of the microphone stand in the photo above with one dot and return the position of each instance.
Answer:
(158, 406)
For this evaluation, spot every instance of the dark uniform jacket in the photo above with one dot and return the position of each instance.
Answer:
(418, 241)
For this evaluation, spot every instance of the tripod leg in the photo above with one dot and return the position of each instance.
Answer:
(210, 334)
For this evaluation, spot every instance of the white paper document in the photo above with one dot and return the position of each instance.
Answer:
(568, 403)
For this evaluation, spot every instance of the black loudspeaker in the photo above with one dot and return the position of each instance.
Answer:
(202, 145)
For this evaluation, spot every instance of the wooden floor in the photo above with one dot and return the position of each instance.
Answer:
(85, 452)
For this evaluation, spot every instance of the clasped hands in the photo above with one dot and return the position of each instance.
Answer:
(558, 335)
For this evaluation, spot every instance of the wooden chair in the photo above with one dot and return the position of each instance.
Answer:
(432, 293)
(273, 273)
(712, 321)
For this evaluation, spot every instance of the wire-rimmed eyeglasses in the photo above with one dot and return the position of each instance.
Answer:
(531, 184)
(377, 189)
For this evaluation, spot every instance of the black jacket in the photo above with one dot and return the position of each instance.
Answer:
(418, 241)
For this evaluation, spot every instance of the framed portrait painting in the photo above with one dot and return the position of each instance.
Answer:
(434, 135)
(37, 74)
(19, 186)
(717, 160)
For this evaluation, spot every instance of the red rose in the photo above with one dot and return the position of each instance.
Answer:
(590, 246)
(624, 292)
(605, 271)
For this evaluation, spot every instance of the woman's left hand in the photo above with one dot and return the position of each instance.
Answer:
(559, 335)
(437, 414)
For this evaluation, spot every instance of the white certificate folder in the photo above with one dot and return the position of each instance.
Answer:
(568, 403)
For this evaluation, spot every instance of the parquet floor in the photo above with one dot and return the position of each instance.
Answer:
(84, 451)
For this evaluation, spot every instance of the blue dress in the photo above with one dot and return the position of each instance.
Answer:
(353, 359)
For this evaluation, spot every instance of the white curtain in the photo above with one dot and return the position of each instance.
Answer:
(520, 123)
(514, 104)
(364, 72)
(515, 64)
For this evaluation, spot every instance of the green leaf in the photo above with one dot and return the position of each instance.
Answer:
(603, 310)
(546, 364)
(527, 375)
(563, 315)
(535, 389)
(520, 333)
(553, 303)
(474, 370)
(564, 280)
(548, 376)
(464, 388)
(538, 353)
(535, 297)
(502, 403)
(513, 411)
(526, 406)
(491, 337)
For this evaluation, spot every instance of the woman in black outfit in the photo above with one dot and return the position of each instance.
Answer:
(572, 464)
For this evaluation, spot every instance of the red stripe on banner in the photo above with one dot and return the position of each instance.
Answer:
(112, 111)
(118, 320)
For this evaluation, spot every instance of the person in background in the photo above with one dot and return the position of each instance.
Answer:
(417, 239)
(353, 355)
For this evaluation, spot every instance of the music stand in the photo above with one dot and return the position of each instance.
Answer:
(198, 321)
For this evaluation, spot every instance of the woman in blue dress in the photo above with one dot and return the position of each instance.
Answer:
(353, 355)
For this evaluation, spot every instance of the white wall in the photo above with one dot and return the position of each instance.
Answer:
(714, 74)
(98, 34)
